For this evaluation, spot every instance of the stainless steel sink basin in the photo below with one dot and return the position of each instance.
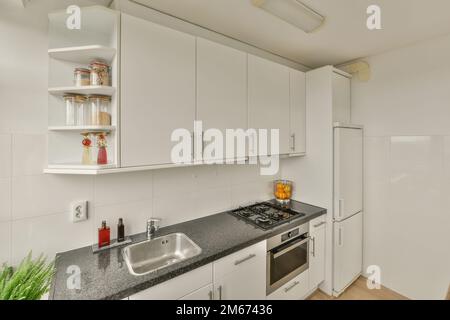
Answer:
(155, 254)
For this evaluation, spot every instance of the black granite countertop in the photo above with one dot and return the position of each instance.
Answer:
(105, 275)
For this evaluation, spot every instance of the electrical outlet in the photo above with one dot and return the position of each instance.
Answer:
(79, 211)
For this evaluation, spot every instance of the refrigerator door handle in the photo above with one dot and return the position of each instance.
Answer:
(341, 207)
(341, 242)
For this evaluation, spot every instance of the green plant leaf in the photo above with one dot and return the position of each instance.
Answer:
(29, 281)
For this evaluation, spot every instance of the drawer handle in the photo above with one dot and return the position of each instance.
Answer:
(319, 224)
(291, 287)
(238, 262)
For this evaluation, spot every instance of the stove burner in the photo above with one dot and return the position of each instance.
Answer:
(264, 220)
(260, 209)
(266, 215)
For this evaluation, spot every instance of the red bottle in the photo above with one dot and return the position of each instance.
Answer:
(103, 235)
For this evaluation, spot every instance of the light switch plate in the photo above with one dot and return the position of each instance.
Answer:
(79, 211)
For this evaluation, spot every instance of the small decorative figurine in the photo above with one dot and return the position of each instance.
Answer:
(102, 157)
(86, 159)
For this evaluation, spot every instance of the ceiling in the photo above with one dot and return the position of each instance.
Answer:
(344, 36)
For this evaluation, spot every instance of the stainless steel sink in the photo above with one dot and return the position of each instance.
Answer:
(155, 254)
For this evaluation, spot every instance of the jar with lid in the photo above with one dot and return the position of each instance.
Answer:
(100, 110)
(71, 109)
(99, 73)
(82, 77)
(82, 110)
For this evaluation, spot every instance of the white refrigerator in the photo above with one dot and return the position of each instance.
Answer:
(348, 206)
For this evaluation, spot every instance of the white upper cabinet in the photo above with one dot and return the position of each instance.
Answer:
(341, 98)
(221, 87)
(298, 111)
(268, 99)
(158, 90)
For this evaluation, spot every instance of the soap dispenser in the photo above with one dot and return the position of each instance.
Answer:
(120, 231)
(104, 235)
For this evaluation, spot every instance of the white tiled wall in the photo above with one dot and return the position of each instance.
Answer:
(34, 208)
(405, 110)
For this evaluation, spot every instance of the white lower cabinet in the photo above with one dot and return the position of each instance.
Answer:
(241, 275)
(317, 252)
(295, 289)
(179, 287)
(205, 293)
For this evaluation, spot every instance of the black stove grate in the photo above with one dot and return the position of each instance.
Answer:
(266, 215)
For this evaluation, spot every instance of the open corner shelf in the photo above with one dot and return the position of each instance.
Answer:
(79, 129)
(73, 168)
(83, 54)
(85, 90)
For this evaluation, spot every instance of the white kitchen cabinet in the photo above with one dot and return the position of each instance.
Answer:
(221, 88)
(179, 287)
(296, 289)
(157, 90)
(317, 252)
(298, 112)
(269, 99)
(341, 98)
(205, 293)
(242, 275)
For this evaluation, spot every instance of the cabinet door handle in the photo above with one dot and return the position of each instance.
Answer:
(211, 297)
(220, 292)
(313, 240)
(192, 145)
(203, 142)
(319, 224)
(293, 141)
(286, 290)
(250, 256)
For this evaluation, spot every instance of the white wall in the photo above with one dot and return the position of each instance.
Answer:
(405, 109)
(34, 208)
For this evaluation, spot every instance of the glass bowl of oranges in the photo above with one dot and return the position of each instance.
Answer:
(283, 191)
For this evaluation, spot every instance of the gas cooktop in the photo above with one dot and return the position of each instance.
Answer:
(266, 215)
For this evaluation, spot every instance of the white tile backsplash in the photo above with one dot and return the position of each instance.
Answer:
(5, 155)
(37, 205)
(5, 242)
(119, 188)
(49, 235)
(134, 214)
(38, 195)
(5, 199)
(29, 154)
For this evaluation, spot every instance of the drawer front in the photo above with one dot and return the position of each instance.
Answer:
(317, 223)
(178, 287)
(251, 256)
(295, 289)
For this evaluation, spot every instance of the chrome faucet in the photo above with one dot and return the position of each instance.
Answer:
(152, 227)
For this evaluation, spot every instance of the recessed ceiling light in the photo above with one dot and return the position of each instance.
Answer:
(293, 12)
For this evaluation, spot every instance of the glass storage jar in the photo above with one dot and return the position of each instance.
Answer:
(82, 77)
(100, 110)
(71, 109)
(82, 111)
(99, 73)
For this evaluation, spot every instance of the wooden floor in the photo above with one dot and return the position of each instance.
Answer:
(359, 291)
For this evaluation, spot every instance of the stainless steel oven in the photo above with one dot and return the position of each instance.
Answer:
(287, 256)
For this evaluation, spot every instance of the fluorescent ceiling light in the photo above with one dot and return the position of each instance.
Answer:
(293, 12)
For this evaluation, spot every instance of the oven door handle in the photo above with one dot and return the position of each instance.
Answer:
(291, 247)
